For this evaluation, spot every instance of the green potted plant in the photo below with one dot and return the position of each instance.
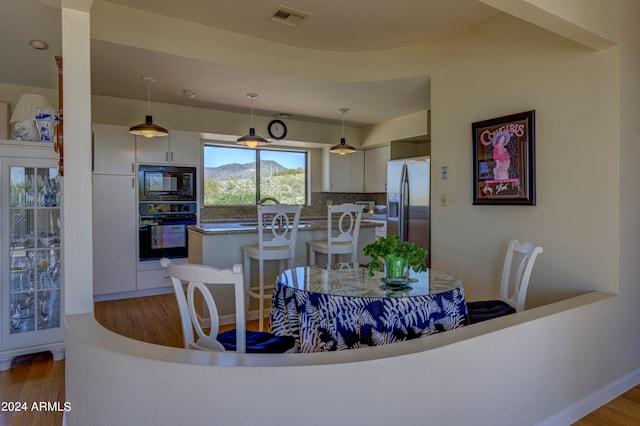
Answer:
(397, 255)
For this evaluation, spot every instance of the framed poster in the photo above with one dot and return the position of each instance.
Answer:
(504, 162)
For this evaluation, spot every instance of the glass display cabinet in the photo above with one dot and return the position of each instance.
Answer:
(30, 234)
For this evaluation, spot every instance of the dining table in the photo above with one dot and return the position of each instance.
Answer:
(340, 306)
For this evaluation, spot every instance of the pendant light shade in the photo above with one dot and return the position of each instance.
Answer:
(342, 148)
(148, 129)
(252, 140)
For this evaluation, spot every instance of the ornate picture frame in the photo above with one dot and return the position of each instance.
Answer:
(504, 162)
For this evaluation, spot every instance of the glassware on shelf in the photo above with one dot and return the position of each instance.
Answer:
(22, 312)
(48, 313)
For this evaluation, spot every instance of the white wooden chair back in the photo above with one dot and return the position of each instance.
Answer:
(200, 277)
(343, 237)
(520, 257)
(278, 229)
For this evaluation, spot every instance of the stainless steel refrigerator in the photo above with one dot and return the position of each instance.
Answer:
(408, 193)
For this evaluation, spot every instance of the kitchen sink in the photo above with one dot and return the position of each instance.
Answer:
(255, 224)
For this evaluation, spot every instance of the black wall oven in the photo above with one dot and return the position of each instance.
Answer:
(162, 229)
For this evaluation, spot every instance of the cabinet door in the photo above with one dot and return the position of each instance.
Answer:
(347, 172)
(339, 173)
(357, 171)
(375, 169)
(32, 292)
(114, 234)
(180, 147)
(113, 150)
(185, 147)
(152, 151)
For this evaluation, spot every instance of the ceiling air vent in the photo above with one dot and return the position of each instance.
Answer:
(288, 16)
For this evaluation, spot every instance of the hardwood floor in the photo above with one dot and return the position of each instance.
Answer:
(155, 319)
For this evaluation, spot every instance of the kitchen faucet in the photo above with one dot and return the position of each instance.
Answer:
(265, 199)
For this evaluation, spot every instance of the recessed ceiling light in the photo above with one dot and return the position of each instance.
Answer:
(189, 94)
(283, 115)
(39, 44)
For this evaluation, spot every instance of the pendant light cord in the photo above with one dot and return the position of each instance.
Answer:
(148, 98)
(252, 98)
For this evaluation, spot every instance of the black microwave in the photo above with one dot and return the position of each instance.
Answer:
(166, 183)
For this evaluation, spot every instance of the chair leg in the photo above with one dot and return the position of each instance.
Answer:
(261, 302)
(312, 256)
(247, 283)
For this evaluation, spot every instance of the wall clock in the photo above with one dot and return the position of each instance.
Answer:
(277, 129)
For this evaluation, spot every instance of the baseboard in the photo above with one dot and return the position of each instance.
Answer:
(592, 402)
(229, 319)
(131, 294)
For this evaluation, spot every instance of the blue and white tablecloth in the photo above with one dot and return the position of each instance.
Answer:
(328, 322)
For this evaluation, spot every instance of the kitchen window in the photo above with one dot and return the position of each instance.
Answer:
(242, 176)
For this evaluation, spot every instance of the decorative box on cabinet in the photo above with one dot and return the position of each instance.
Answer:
(32, 299)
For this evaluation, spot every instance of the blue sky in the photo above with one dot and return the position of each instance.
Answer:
(215, 156)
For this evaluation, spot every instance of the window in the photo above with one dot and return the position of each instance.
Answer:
(231, 176)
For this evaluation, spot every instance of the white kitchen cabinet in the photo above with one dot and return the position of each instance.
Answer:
(375, 169)
(347, 172)
(381, 230)
(114, 150)
(115, 233)
(180, 148)
(31, 308)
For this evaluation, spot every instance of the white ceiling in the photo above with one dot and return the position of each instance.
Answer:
(333, 25)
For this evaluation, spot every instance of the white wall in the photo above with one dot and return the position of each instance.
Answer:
(575, 93)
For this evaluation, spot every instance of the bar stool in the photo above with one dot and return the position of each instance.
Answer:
(340, 240)
(277, 234)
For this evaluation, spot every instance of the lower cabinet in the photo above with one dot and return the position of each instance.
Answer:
(151, 274)
(114, 234)
(381, 230)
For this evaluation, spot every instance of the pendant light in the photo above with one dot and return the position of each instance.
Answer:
(148, 129)
(252, 140)
(342, 148)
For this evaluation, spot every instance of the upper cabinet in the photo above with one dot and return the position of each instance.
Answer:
(114, 150)
(346, 172)
(375, 169)
(180, 147)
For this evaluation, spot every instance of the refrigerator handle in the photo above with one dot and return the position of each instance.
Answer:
(402, 207)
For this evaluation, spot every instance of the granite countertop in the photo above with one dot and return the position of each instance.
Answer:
(248, 226)
(374, 216)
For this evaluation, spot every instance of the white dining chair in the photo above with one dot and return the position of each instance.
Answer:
(513, 288)
(277, 235)
(198, 279)
(343, 229)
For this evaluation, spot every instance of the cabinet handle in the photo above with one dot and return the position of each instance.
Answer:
(133, 183)
(172, 156)
(166, 156)
(133, 170)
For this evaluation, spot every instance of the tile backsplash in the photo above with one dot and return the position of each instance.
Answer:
(318, 207)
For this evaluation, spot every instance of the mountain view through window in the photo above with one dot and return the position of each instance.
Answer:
(241, 176)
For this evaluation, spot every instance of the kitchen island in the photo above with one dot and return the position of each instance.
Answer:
(219, 244)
